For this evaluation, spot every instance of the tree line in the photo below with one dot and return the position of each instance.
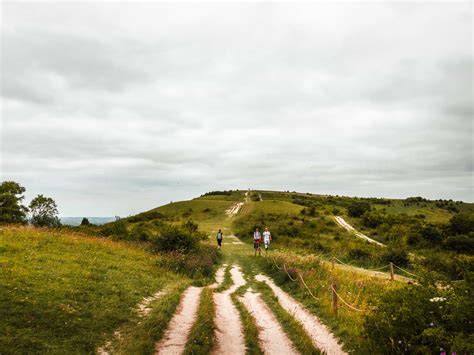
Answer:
(41, 212)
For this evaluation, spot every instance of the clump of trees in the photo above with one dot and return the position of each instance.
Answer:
(11, 198)
(43, 210)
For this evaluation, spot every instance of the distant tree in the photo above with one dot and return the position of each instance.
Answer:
(357, 209)
(85, 222)
(44, 212)
(11, 209)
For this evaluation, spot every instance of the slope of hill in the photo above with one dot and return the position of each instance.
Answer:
(80, 294)
(63, 292)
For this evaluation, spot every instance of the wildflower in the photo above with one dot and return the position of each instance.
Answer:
(438, 299)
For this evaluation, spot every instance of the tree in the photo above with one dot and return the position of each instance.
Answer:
(11, 209)
(44, 212)
(85, 222)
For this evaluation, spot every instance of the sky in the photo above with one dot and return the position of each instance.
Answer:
(115, 108)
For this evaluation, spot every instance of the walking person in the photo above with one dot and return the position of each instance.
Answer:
(257, 237)
(219, 237)
(267, 237)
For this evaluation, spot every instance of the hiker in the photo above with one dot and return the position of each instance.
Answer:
(267, 237)
(256, 241)
(219, 239)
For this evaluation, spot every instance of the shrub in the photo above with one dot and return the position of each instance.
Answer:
(461, 223)
(460, 243)
(198, 263)
(431, 234)
(422, 319)
(142, 232)
(398, 256)
(172, 238)
(372, 219)
(357, 209)
(117, 229)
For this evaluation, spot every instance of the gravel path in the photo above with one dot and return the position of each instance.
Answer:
(272, 338)
(176, 336)
(322, 338)
(229, 334)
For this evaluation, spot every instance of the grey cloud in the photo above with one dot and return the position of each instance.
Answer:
(140, 104)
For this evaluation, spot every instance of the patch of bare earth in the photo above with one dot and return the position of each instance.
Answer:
(322, 338)
(271, 336)
(229, 334)
(176, 335)
(234, 209)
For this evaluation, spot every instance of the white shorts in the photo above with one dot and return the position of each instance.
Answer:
(267, 243)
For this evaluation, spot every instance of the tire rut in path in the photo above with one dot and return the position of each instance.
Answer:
(272, 338)
(176, 335)
(322, 338)
(229, 332)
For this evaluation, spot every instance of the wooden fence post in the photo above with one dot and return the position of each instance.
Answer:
(334, 299)
(391, 272)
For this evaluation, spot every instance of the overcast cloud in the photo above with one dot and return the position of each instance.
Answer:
(116, 108)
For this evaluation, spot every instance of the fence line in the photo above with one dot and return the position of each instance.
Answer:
(343, 301)
(409, 273)
(292, 279)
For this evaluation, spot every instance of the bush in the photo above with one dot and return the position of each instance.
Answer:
(460, 243)
(199, 263)
(398, 256)
(461, 223)
(357, 209)
(422, 319)
(142, 232)
(118, 230)
(372, 219)
(172, 238)
(431, 234)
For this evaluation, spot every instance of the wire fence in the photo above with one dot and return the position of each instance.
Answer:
(332, 287)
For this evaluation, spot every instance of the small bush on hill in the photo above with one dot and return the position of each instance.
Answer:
(461, 223)
(196, 264)
(117, 230)
(357, 209)
(460, 243)
(398, 256)
(171, 238)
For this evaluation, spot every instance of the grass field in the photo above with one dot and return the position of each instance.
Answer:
(67, 293)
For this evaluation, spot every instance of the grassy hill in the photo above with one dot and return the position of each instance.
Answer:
(69, 290)
(63, 292)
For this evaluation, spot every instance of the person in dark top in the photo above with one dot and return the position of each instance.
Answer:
(219, 237)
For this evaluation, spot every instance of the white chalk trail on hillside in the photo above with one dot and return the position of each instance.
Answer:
(358, 234)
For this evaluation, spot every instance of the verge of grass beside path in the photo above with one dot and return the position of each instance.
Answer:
(67, 293)
(141, 335)
(201, 337)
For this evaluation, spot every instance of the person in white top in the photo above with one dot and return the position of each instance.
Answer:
(267, 237)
